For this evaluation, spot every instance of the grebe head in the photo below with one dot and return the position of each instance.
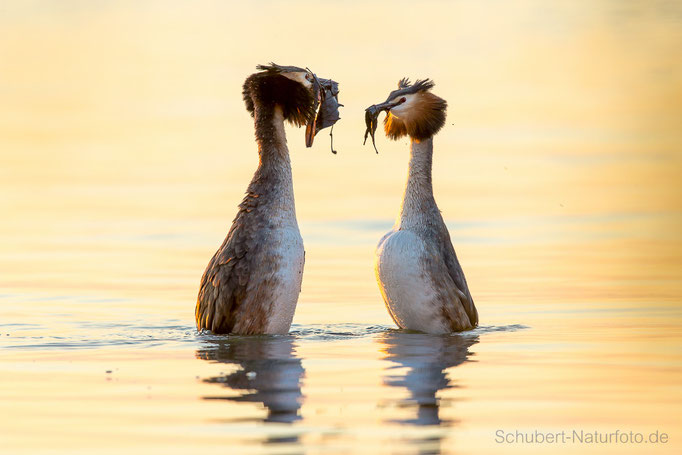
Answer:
(302, 96)
(411, 110)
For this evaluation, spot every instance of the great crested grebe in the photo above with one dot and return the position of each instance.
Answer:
(252, 283)
(416, 267)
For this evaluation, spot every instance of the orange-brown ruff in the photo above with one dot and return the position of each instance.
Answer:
(423, 121)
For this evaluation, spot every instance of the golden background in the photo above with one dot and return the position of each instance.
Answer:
(125, 148)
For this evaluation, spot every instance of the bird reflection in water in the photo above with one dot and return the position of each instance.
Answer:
(420, 365)
(269, 374)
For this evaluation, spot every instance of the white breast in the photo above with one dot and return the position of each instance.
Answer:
(289, 250)
(407, 290)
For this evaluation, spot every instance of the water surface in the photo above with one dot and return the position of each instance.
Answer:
(125, 149)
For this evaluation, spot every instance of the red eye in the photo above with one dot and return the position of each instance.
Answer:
(403, 99)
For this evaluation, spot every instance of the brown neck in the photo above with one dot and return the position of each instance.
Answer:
(273, 181)
(270, 136)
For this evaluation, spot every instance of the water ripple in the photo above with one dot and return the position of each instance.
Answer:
(173, 334)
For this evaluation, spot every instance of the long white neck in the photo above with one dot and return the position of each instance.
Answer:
(419, 207)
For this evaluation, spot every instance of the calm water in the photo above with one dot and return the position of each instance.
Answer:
(125, 148)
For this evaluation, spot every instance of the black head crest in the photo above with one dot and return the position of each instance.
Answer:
(273, 67)
(405, 87)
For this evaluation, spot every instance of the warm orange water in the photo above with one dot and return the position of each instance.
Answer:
(125, 149)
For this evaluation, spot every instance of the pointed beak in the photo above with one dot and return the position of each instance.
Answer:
(310, 131)
(386, 106)
(311, 127)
